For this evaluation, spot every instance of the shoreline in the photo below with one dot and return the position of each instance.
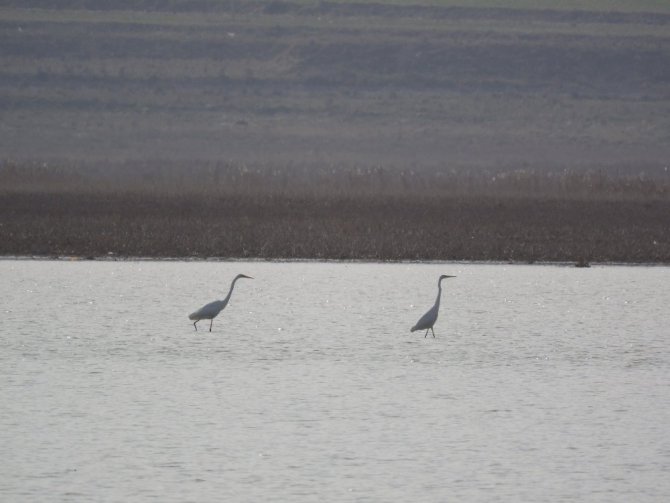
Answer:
(103, 258)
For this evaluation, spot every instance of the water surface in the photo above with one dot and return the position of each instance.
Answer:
(543, 383)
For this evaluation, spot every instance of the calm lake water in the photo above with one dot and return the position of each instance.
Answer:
(544, 383)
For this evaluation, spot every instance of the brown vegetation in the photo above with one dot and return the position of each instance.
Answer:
(412, 218)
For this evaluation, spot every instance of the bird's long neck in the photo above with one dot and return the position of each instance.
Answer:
(439, 292)
(230, 292)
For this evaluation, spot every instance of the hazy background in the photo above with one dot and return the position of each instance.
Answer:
(453, 85)
(398, 130)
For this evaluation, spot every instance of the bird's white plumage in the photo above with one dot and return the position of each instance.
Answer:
(208, 311)
(211, 310)
(427, 321)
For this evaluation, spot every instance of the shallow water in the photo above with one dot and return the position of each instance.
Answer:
(543, 383)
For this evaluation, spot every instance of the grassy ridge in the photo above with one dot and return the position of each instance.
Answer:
(293, 180)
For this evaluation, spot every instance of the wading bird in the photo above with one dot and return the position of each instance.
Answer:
(427, 321)
(211, 310)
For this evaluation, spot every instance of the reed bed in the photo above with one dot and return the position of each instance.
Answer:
(249, 213)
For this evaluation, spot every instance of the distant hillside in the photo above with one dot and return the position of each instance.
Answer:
(431, 85)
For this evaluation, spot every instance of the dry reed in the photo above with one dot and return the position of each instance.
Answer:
(250, 213)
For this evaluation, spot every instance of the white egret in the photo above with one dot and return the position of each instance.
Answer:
(427, 321)
(211, 310)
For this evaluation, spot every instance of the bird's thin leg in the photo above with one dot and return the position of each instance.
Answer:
(431, 329)
(426, 334)
(196, 326)
(210, 324)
